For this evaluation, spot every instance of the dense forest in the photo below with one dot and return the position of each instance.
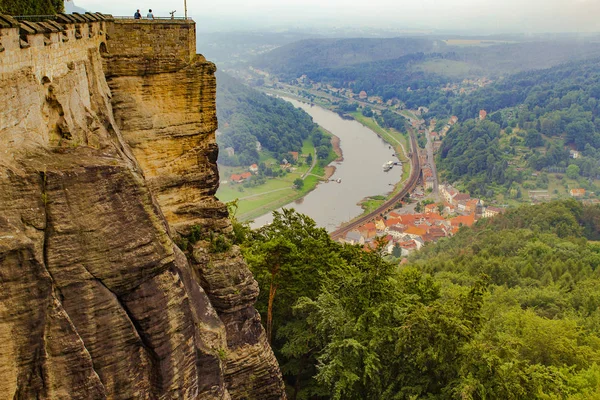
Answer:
(397, 78)
(542, 91)
(506, 310)
(247, 116)
(31, 7)
(543, 110)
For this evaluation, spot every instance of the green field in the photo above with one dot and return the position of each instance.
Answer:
(370, 204)
(276, 192)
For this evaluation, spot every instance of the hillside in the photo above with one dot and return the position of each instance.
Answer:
(231, 48)
(247, 116)
(540, 122)
(491, 59)
(31, 7)
(295, 59)
(507, 309)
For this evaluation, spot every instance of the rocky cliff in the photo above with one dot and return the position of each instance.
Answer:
(108, 155)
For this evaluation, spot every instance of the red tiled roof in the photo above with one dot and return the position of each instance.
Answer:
(465, 220)
(434, 217)
(392, 221)
(577, 192)
(462, 196)
(408, 245)
(413, 230)
(436, 231)
(368, 226)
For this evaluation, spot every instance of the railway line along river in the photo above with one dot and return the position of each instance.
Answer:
(360, 173)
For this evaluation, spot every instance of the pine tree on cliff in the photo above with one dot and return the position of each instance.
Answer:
(31, 7)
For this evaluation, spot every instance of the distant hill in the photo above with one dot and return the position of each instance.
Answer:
(70, 7)
(229, 48)
(325, 57)
(301, 57)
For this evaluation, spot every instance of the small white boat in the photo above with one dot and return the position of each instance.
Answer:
(388, 165)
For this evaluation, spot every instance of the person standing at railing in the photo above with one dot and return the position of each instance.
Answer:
(137, 15)
(150, 15)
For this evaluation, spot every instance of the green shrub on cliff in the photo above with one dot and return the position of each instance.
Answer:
(31, 7)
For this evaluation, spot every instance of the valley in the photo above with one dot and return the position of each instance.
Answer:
(390, 201)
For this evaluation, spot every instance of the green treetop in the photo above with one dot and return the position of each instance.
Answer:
(31, 7)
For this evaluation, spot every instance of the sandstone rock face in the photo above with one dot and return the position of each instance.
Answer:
(96, 179)
(167, 115)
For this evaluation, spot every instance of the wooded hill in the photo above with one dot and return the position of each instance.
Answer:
(306, 56)
(247, 116)
(506, 310)
(389, 67)
(532, 116)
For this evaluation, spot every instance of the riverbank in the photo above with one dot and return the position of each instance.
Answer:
(330, 169)
(358, 176)
(276, 192)
(398, 141)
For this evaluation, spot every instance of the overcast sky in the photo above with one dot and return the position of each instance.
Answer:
(486, 15)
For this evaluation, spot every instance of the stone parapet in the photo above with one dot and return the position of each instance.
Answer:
(50, 47)
(143, 47)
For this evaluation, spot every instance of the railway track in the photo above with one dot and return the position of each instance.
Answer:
(391, 203)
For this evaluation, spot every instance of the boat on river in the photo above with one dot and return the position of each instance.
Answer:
(388, 165)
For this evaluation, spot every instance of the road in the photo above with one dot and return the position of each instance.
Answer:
(431, 159)
(263, 193)
(314, 162)
(391, 203)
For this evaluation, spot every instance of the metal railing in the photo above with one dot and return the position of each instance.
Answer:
(150, 19)
(34, 18)
(41, 18)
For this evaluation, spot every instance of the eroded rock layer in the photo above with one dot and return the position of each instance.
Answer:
(168, 117)
(96, 179)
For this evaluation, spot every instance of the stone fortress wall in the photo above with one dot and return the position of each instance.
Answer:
(162, 40)
(49, 47)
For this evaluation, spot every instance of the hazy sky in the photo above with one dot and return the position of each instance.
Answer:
(485, 15)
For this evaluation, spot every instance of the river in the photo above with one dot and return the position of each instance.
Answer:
(361, 172)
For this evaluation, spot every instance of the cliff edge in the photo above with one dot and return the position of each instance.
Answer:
(108, 155)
